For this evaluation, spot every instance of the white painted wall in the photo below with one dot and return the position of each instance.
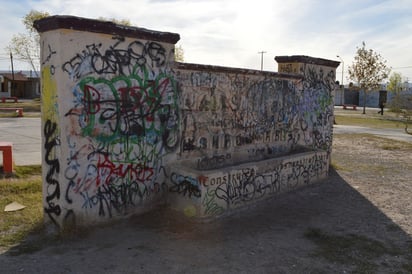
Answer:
(109, 123)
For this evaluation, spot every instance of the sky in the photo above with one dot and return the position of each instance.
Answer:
(232, 32)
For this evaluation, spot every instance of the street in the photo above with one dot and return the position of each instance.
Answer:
(25, 134)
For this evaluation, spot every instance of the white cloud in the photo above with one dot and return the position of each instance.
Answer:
(232, 32)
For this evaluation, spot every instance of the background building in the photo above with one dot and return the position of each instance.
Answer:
(20, 85)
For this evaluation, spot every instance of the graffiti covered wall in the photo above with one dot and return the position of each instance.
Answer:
(110, 119)
(234, 122)
(210, 193)
(125, 128)
(230, 116)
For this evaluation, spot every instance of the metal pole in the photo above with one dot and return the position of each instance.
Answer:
(343, 87)
(261, 59)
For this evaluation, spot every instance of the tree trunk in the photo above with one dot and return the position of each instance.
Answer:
(407, 121)
(364, 101)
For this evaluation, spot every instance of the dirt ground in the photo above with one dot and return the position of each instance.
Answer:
(337, 225)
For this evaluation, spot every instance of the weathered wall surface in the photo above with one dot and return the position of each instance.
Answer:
(235, 116)
(232, 116)
(214, 192)
(124, 126)
(233, 121)
(110, 118)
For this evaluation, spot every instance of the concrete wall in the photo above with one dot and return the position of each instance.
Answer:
(210, 193)
(109, 119)
(245, 134)
(124, 126)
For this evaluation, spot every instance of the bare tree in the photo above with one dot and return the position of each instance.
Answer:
(368, 70)
(26, 46)
(179, 54)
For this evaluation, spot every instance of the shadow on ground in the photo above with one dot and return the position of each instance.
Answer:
(287, 234)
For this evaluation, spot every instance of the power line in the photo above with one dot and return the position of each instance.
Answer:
(403, 67)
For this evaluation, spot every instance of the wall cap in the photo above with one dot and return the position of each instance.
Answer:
(307, 60)
(106, 27)
(212, 68)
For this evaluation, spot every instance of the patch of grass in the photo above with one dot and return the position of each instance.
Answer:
(22, 172)
(390, 147)
(336, 166)
(16, 225)
(29, 105)
(24, 231)
(381, 142)
(26, 171)
(350, 249)
(31, 108)
(368, 121)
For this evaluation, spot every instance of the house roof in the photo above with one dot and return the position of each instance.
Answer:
(19, 76)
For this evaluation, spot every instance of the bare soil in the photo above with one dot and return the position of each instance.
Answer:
(359, 220)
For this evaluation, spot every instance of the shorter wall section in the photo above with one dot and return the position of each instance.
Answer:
(210, 193)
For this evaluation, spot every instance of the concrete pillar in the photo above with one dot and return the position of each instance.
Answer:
(109, 118)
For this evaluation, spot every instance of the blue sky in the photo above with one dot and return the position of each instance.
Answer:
(232, 32)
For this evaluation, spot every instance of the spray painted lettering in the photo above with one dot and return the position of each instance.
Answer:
(53, 187)
(185, 185)
(122, 127)
(115, 60)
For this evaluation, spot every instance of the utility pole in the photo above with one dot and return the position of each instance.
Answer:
(12, 74)
(261, 59)
(343, 87)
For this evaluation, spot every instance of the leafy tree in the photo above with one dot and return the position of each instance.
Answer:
(395, 83)
(407, 111)
(395, 86)
(368, 70)
(26, 46)
(401, 103)
(179, 54)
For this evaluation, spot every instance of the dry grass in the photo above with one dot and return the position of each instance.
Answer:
(367, 121)
(25, 187)
(31, 108)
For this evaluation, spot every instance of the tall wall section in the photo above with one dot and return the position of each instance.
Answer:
(109, 118)
(125, 128)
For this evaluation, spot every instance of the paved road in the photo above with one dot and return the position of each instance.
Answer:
(25, 134)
